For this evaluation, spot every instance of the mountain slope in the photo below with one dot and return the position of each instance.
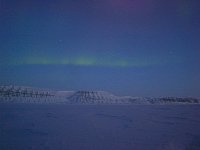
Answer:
(23, 94)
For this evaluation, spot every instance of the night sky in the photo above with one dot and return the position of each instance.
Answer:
(127, 47)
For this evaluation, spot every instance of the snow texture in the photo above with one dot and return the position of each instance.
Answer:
(99, 127)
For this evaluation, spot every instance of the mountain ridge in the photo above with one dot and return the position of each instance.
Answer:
(24, 94)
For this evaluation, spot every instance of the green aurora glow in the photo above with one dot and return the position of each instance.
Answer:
(89, 61)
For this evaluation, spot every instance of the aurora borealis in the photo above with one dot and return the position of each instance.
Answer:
(128, 47)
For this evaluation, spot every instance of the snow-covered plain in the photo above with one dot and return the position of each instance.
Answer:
(99, 127)
(40, 119)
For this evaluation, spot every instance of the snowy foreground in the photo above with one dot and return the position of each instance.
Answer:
(19, 94)
(99, 127)
(53, 125)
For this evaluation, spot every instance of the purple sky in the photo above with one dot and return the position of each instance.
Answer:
(127, 47)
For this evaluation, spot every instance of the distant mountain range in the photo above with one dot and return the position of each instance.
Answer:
(23, 94)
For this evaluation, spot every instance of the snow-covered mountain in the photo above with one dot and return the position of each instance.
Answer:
(93, 97)
(23, 94)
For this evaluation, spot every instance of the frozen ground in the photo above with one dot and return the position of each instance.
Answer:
(99, 127)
